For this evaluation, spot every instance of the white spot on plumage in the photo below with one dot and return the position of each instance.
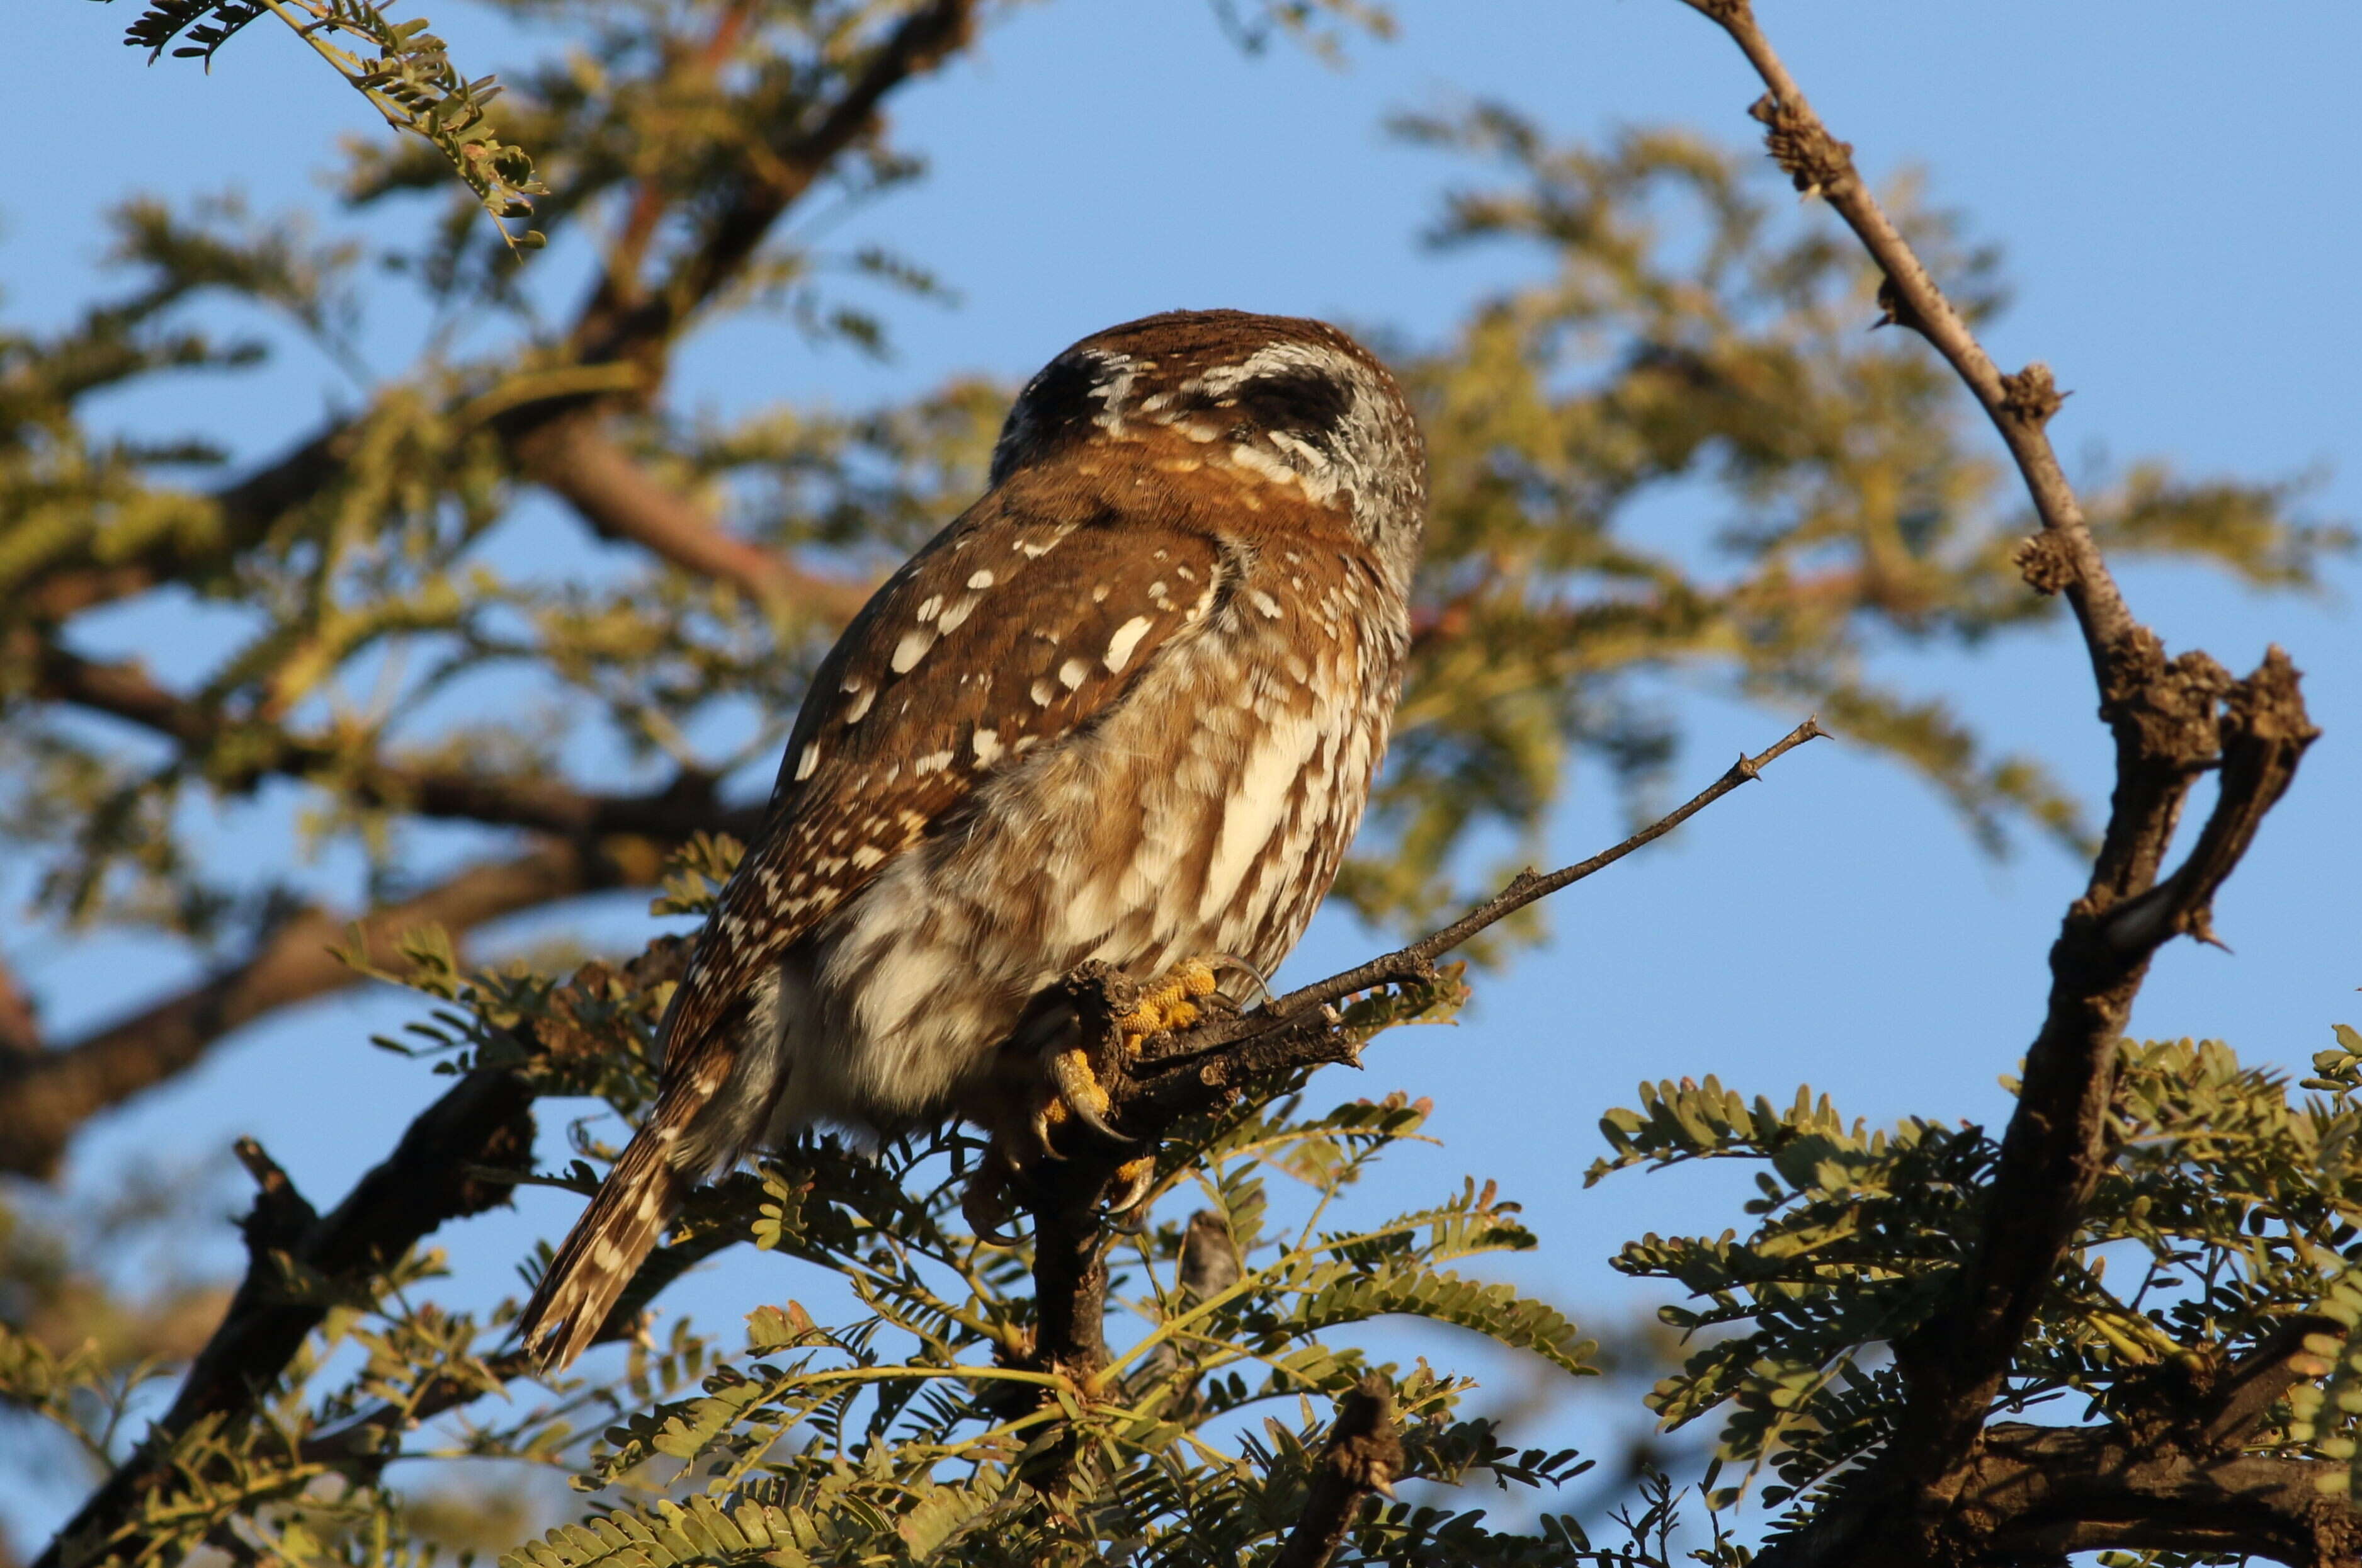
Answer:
(1042, 693)
(981, 580)
(808, 761)
(1264, 602)
(1127, 637)
(988, 746)
(868, 855)
(934, 762)
(862, 697)
(927, 611)
(911, 649)
(1257, 801)
(1071, 673)
(957, 614)
(1099, 593)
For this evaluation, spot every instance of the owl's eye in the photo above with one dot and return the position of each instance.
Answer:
(1302, 400)
(1065, 397)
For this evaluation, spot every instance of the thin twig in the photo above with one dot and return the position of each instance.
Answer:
(1528, 887)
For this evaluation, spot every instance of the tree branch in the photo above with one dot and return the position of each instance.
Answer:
(2018, 406)
(2172, 720)
(574, 458)
(124, 690)
(44, 1099)
(485, 1119)
(20, 1026)
(622, 322)
(2048, 1491)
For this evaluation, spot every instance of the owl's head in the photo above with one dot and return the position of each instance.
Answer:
(1292, 399)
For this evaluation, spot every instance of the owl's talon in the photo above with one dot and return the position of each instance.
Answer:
(1080, 1096)
(1231, 964)
(1171, 1002)
(1137, 1176)
(985, 1204)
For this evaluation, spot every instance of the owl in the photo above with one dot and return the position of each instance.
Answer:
(1127, 707)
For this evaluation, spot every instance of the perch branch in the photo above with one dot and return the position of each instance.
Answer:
(1416, 961)
(1212, 1062)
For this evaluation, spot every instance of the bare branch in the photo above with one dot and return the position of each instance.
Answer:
(2019, 406)
(125, 691)
(2172, 720)
(485, 1119)
(45, 1098)
(620, 501)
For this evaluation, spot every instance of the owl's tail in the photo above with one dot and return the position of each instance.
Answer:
(600, 1256)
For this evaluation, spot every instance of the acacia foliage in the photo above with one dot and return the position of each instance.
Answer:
(2233, 1205)
(911, 1431)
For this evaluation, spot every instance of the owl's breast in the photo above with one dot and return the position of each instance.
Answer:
(1206, 813)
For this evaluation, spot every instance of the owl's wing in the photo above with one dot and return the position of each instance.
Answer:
(1029, 617)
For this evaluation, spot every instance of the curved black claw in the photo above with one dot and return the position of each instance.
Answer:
(1077, 1091)
(984, 1206)
(1139, 1175)
(1231, 964)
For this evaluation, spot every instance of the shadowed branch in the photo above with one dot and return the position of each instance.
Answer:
(485, 1119)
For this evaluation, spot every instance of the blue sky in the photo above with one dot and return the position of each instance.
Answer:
(2175, 191)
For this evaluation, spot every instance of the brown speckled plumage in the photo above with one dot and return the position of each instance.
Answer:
(1128, 707)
